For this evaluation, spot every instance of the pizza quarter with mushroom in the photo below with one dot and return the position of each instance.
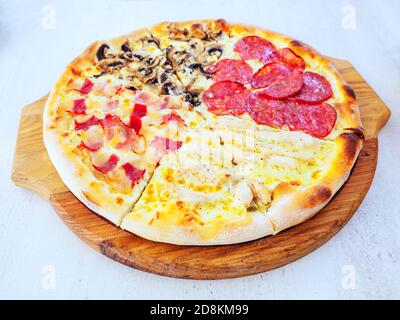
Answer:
(202, 132)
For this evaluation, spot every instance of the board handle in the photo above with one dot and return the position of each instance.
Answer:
(32, 168)
(374, 113)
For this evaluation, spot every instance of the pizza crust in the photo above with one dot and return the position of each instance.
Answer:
(291, 204)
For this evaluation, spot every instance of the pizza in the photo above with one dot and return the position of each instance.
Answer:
(202, 132)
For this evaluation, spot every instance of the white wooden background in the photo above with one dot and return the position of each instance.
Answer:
(41, 258)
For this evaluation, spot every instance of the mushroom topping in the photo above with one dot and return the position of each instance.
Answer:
(178, 34)
(125, 47)
(166, 63)
(199, 31)
(214, 49)
(176, 57)
(151, 62)
(146, 74)
(132, 88)
(196, 46)
(126, 51)
(168, 88)
(216, 28)
(200, 67)
(164, 76)
(193, 98)
(153, 40)
(102, 52)
(109, 65)
(138, 56)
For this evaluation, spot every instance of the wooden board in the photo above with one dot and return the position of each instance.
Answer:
(33, 170)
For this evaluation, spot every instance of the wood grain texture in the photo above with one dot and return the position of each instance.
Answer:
(33, 170)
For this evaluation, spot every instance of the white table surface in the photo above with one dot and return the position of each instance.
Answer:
(41, 258)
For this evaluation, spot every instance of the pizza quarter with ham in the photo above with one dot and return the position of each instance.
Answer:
(202, 132)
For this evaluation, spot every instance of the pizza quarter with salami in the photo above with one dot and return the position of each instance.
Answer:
(202, 132)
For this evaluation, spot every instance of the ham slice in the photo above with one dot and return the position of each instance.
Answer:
(109, 165)
(134, 174)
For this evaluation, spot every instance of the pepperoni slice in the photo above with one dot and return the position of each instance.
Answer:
(267, 111)
(134, 174)
(227, 97)
(316, 120)
(79, 106)
(287, 57)
(108, 165)
(279, 80)
(316, 89)
(92, 121)
(86, 87)
(231, 70)
(254, 47)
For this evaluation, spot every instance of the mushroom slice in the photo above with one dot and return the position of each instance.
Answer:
(214, 49)
(146, 74)
(151, 62)
(216, 28)
(126, 51)
(125, 47)
(176, 57)
(164, 76)
(193, 97)
(102, 52)
(199, 67)
(169, 88)
(199, 31)
(178, 34)
(196, 46)
(109, 65)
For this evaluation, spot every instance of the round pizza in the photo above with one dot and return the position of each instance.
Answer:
(202, 132)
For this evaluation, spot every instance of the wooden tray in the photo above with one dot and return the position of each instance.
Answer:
(33, 170)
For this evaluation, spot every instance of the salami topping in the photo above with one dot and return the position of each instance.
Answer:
(108, 165)
(86, 87)
(267, 111)
(315, 89)
(79, 106)
(279, 80)
(254, 47)
(227, 97)
(134, 174)
(287, 57)
(231, 70)
(316, 120)
(92, 121)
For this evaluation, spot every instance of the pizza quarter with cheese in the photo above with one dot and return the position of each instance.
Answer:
(202, 132)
